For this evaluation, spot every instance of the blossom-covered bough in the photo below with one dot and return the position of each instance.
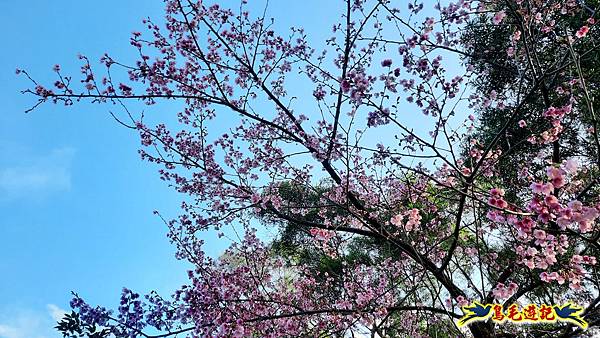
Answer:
(366, 157)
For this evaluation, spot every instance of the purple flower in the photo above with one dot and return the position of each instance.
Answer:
(345, 85)
(89, 315)
(378, 117)
(386, 62)
(319, 93)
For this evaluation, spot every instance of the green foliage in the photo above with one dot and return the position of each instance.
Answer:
(71, 326)
(498, 73)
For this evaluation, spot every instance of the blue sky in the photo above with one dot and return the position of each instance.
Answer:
(76, 200)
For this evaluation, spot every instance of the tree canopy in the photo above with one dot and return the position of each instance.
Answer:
(423, 158)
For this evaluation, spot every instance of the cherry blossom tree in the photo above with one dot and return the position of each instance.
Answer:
(366, 157)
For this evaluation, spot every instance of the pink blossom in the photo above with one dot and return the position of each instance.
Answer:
(585, 226)
(516, 36)
(502, 292)
(510, 51)
(497, 192)
(414, 219)
(498, 17)
(575, 205)
(582, 32)
(462, 301)
(556, 175)
(397, 220)
(570, 166)
(549, 277)
(529, 263)
(542, 188)
(497, 199)
(539, 234)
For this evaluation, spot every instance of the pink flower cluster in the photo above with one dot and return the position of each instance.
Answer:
(553, 276)
(357, 84)
(542, 252)
(322, 234)
(498, 17)
(577, 213)
(497, 198)
(582, 32)
(573, 273)
(548, 207)
(412, 222)
(555, 115)
(502, 291)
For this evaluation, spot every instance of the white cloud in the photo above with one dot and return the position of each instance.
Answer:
(24, 325)
(9, 332)
(36, 176)
(55, 312)
(31, 324)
